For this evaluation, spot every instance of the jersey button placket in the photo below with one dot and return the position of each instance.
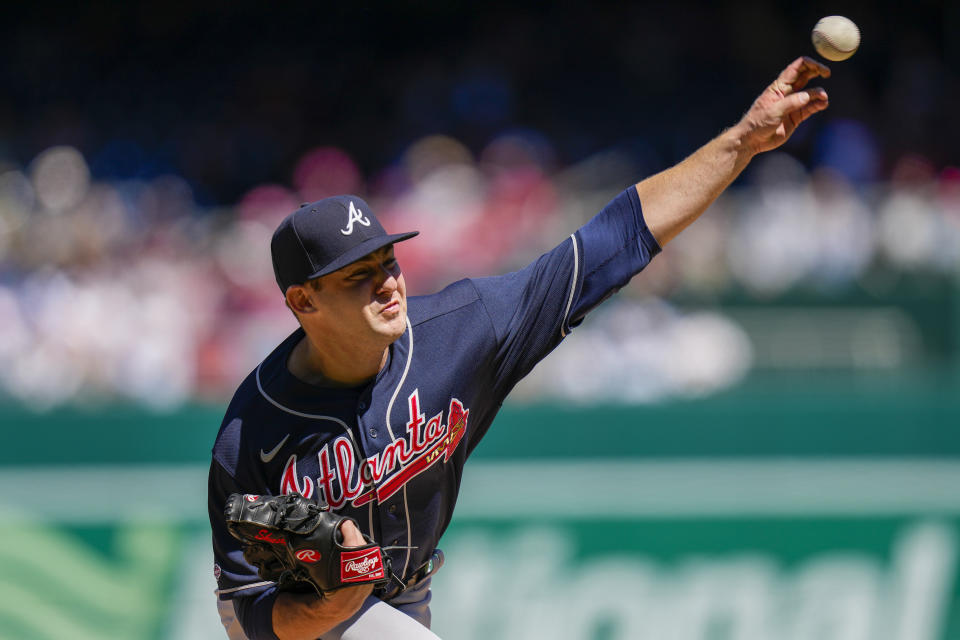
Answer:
(361, 407)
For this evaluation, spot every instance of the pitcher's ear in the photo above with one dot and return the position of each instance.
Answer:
(299, 300)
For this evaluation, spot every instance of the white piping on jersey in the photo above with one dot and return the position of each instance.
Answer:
(252, 585)
(406, 506)
(349, 433)
(403, 377)
(406, 511)
(312, 416)
(573, 285)
(343, 424)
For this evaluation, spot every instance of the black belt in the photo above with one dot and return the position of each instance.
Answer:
(397, 586)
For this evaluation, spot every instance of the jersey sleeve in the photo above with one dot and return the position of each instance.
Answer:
(533, 309)
(238, 583)
(616, 245)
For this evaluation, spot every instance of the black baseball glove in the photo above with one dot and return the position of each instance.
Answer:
(295, 542)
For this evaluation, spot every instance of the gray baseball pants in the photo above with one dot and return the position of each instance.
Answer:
(407, 617)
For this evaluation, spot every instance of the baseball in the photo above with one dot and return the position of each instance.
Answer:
(836, 38)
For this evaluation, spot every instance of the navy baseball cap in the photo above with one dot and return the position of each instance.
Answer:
(321, 237)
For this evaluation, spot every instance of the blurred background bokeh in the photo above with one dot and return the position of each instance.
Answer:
(757, 438)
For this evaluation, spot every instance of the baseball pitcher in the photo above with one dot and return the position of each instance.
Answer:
(338, 462)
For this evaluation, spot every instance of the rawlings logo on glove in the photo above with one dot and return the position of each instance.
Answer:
(292, 541)
(361, 566)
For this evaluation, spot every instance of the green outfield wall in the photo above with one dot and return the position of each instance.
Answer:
(825, 511)
(828, 414)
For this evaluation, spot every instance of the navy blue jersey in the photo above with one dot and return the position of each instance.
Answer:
(391, 453)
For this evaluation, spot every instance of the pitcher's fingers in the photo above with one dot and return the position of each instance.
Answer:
(812, 108)
(351, 535)
(818, 102)
(806, 75)
(799, 72)
(788, 104)
(812, 69)
(800, 100)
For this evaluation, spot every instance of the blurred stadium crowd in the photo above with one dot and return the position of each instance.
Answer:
(138, 192)
(131, 289)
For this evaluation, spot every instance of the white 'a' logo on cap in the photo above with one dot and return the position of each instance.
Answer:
(355, 216)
